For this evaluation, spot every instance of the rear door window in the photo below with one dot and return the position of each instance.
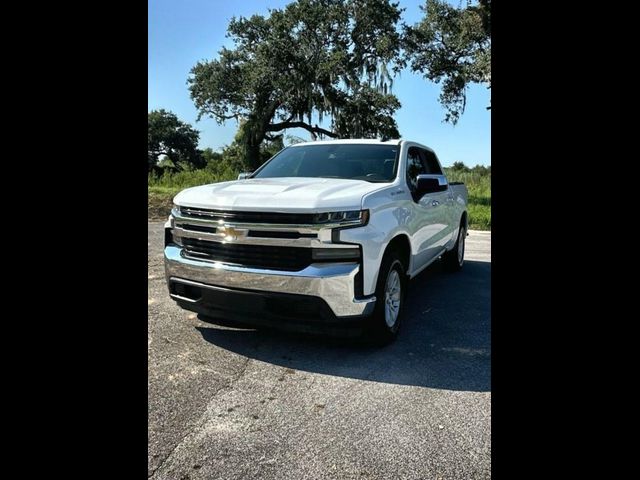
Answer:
(431, 162)
(415, 167)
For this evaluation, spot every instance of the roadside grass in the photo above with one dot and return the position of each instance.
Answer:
(160, 201)
(479, 216)
(479, 187)
(162, 189)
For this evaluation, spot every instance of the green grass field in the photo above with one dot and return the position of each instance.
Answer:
(162, 190)
(479, 187)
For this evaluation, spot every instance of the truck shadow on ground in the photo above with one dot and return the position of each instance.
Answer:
(445, 341)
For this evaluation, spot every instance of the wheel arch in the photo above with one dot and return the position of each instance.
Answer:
(401, 244)
(464, 220)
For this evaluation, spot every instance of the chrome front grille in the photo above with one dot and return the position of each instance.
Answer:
(252, 239)
(248, 217)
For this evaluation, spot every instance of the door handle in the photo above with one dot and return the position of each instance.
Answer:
(435, 203)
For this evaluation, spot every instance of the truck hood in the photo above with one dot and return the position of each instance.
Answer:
(286, 194)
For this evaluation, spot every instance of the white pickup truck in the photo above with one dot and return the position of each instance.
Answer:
(323, 237)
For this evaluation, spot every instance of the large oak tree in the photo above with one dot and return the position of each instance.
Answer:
(324, 58)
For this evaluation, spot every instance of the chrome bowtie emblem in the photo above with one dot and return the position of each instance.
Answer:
(230, 233)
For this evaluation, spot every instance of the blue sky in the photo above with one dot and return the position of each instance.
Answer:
(181, 33)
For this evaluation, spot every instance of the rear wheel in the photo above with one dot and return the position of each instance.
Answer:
(390, 293)
(454, 258)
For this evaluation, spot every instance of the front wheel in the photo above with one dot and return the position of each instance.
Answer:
(454, 258)
(390, 292)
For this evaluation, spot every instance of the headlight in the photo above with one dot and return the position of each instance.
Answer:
(347, 218)
(175, 209)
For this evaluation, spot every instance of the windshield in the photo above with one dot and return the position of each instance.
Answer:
(373, 163)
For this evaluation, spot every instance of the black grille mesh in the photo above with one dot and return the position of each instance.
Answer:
(257, 256)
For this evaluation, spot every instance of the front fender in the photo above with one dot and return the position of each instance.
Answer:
(384, 225)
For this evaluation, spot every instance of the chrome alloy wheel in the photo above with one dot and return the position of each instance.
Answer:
(463, 235)
(392, 295)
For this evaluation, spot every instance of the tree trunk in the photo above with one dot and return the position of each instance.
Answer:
(252, 154)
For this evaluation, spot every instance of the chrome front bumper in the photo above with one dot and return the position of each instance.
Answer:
(332, 282)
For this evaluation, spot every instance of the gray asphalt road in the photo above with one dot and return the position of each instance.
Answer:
(239, 404)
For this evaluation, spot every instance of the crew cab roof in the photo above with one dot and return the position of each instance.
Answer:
(356, 141)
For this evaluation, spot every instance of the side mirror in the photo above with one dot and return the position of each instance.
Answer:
(431, 184)
(244, 175)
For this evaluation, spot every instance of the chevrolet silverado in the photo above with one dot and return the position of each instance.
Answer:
(323, 236)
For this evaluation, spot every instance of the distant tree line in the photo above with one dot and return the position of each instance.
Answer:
(173, 146)
(171, 143)
(460, 167)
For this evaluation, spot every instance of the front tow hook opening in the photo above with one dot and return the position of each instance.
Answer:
(187, 293)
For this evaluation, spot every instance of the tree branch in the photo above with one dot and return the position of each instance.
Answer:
(270, 138)
(276, 127)
(227, 117)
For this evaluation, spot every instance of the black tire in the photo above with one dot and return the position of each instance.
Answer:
(454, 260)
(380, 333)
